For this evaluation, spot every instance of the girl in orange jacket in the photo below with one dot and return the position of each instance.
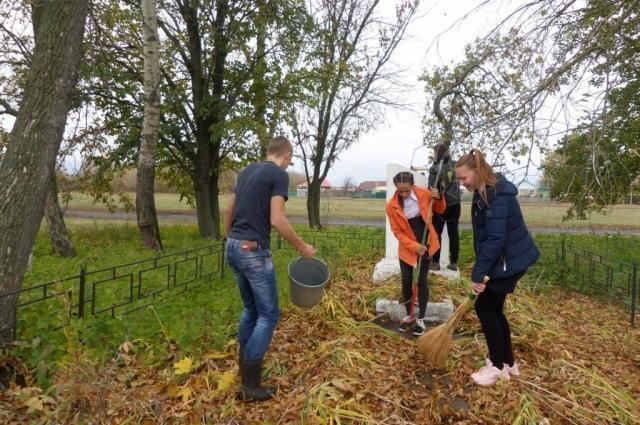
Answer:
(408, 212)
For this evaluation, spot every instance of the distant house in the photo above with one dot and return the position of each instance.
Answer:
(372, 189)
(373, 185)
(302, 187)
(526, 190)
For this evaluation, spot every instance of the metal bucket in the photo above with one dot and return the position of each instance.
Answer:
(307, 279)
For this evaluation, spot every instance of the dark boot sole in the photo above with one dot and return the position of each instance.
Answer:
(245, 396)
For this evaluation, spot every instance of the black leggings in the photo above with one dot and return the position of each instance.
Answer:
(451, 217)
(490, 306)
(407, 286)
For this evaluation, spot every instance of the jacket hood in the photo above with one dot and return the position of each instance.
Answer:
(502, 187)
(505, 187)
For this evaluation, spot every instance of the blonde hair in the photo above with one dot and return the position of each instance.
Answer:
(474, 160)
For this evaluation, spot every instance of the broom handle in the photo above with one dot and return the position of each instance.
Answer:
(416, 271)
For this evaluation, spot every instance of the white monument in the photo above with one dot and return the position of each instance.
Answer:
(389, 265)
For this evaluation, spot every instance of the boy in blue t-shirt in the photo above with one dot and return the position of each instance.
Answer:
(257, 205)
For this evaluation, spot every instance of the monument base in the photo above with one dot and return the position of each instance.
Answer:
(386, 268)
(436, 313)
(446, 273)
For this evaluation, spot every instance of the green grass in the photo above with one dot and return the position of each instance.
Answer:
(201, 318)
(194, 320)
(542, 214)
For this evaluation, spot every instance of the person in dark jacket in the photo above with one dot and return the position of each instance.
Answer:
(504, 251)
(448, 184)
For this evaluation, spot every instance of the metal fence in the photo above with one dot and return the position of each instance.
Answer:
(120, 289)
(126, 288)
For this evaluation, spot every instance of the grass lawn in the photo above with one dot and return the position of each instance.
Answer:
(539, 214)
(331, 364)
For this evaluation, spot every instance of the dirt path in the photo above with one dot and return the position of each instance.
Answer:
(182, 217)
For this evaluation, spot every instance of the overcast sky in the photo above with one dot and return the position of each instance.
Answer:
(401, 133)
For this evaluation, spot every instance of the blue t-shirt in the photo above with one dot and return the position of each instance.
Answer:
(255, 186)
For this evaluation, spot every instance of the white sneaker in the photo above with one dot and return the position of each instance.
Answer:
(513, 370)
(419, 327)
(489, 374)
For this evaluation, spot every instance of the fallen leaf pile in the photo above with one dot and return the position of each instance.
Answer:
(332, 364)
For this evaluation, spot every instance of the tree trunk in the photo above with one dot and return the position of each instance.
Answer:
(208, 114)
(259, 87)
(202, 189)
(145, 198)
(313, 204)
(27, 166)
(215, 203)
(60, 240)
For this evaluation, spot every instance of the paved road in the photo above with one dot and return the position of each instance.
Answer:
(191, 218)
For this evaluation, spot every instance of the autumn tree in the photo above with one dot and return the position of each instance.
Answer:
(210, 65)
(16, 41)
(350, 80)
(29, 161)
(145, 178)
(549, 71)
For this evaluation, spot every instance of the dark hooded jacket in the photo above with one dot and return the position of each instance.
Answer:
(447, 181)
(502, 243)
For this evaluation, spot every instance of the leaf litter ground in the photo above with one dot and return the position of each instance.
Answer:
(333, 364)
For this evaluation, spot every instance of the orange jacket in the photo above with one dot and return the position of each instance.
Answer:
(408, 244)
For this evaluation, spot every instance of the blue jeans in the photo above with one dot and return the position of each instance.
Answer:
(256, 280)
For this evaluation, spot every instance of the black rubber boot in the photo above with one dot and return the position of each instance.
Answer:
(252, 389)
(240, 358)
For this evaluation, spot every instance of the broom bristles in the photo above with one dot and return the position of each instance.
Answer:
(435, 345)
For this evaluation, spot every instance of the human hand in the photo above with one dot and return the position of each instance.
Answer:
(307, 251)
(421, 250)
(478, 288)
(435, 193)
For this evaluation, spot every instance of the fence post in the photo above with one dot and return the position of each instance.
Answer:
(81, 291)
(563, 254)
(222, 257)
(634, 293)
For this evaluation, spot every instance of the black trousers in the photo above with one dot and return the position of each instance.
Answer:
(451, 216)
(406, 272)
(490, 308)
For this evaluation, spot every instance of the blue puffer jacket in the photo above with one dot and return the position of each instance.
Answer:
(501, 241)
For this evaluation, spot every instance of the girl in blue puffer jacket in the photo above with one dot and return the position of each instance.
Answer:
(504, 251)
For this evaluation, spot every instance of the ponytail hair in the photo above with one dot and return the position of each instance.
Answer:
(474, 160)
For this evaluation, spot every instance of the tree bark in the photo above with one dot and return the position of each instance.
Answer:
(60, 240)
(208, 115)
(27, 166)
(203, 192)
(313, 204)
(145, 198)
(259, 87)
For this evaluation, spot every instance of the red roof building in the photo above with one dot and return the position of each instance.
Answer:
(371, 184)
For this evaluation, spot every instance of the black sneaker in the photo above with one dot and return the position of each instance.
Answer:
(453, 266)
(434, 266)
(406, 324)
(419, 327)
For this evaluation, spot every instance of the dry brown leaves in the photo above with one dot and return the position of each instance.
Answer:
(579, 360)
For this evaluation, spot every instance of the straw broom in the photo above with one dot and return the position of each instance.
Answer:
(435, 345)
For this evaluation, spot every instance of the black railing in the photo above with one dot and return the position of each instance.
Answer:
(124, 288)
(130, 287)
